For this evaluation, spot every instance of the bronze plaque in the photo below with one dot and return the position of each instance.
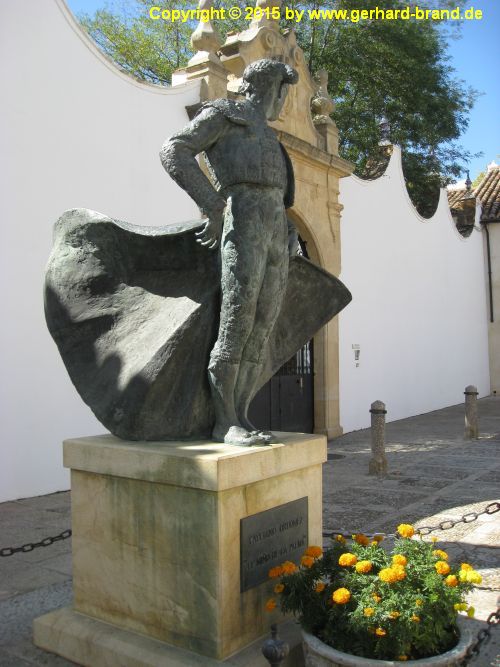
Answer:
(269, 538)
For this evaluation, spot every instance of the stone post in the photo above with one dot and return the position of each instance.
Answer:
(378, 462)
(471, 420)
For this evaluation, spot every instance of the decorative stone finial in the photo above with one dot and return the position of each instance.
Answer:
(385, 131)
(265, 17)
(206, 37)
(321, 104)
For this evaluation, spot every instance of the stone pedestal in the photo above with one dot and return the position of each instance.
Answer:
(156, 539)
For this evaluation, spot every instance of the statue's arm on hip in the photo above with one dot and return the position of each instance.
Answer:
(178, 156)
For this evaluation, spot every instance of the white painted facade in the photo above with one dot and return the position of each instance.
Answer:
(74, 132)
(419, 309)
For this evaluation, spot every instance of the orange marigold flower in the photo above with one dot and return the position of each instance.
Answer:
(387, 575)
(320, 587)
(314, 552)
(466, 566)
(399, 559)
(442, 567)
(279, 588)
(275, 572)
(439, 553)
(361, 539)
(271, 604)
(406, 530)
(380, 632)
(394, 614)
(378, 538)
(347, 560)
(288, 567)
(451, 580)
(341, 596)
(368, 611)
(340, 538)
(376, 597)
(363, 566)
(415, 618)
(307, 561)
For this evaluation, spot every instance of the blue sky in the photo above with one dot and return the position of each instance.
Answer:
(476, 59)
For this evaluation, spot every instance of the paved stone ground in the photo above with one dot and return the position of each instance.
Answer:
(434, 474)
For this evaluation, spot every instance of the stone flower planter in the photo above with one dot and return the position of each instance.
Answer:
(318, 654)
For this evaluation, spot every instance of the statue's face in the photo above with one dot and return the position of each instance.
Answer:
(274, 100)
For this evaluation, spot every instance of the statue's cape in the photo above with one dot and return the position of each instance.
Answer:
(134, 312)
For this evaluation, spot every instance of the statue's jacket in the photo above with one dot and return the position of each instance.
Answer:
(240, 148)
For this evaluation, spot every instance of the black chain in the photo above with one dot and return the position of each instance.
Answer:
(483, 637)
(466, 518)
(469, 517)
(25, 548)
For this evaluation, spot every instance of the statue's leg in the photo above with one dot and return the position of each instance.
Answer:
(268, 308)
(243, 254)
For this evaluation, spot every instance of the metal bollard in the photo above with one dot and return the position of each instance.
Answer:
(275, 650)
(471, 419)
(378, 462)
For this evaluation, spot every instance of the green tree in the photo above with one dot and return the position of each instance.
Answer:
(398, 69)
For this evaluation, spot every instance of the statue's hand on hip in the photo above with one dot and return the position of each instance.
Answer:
(211, 233)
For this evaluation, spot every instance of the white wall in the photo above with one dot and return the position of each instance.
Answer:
(74, 131)
(419, 303)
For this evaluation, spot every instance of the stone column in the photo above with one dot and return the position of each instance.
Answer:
(471, 420)
(378, 462)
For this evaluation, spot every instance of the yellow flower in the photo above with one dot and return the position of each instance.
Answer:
(380, 632)
(347, 560)
(442, 567)
(460, 606)
(279, 588)
(406, 530)
(361, 539)
(341, 596)
(271, 604)
(470, 612)
(275, 572)
(314, 552)
(368, 611)
(415, 618)
(320, 587)
(466, 566)
(376, 597)
(419, 602)
(394, 614)
(288, 567)
(363, 566)
(399, 572)
(307, 561)
(439, 553)
(374, 543)
(434, 539)
(451, 580)
(340, 538)
(399, 559)
(470, 576)
(388, 575)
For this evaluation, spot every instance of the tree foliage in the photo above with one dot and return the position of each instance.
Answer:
(398, 69)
